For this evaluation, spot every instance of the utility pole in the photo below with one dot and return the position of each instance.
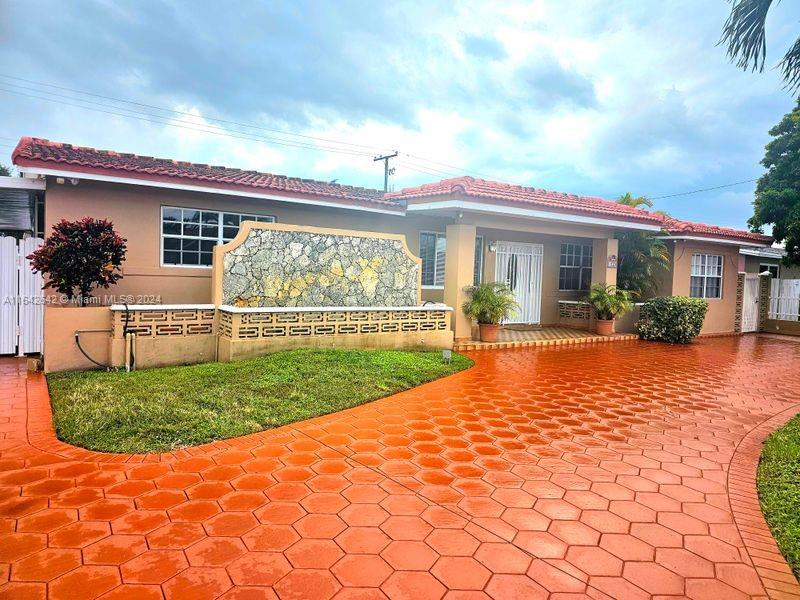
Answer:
(386, 170)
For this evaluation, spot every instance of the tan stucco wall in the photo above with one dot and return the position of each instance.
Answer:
(60, 323)
(136, 214)
(721, 311)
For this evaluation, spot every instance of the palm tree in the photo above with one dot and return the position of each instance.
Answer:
(643, 256)
(744, 34)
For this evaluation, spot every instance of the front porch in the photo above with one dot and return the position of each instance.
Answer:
(515, 336)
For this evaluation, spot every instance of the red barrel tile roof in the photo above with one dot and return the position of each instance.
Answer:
(678, 227)
(485, 189)
(37, 152)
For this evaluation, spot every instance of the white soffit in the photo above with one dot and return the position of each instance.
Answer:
(485, 208)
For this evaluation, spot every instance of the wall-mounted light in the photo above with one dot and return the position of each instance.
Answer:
(492, 246)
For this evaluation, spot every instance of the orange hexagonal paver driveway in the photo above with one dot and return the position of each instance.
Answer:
(621, 470)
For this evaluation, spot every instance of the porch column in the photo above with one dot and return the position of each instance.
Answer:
(605, 257)
(459, 262)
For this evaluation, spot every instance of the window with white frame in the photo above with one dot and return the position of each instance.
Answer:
(774, 270)
(575, 267)
(431, 250)
(706, 277)
(477, 271)
(188, 235)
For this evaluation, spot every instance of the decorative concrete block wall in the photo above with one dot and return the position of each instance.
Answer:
(276, 265)
(737, 317)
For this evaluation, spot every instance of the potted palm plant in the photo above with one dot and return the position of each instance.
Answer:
(608, 302)
(489, 305)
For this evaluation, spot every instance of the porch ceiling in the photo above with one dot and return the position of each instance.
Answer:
(514, 217)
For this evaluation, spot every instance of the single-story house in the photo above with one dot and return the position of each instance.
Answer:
(760, 260)
(549, 246)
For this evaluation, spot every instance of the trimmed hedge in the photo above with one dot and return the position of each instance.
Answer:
(675, 319)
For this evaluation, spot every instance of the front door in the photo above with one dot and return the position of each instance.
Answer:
(519, 266)
(750, 303)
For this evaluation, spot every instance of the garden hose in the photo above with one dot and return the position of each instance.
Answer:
(78, 343)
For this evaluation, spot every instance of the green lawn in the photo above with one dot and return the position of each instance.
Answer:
(156, 410)
(779, 489)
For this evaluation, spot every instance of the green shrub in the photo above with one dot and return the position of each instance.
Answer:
(675, 319)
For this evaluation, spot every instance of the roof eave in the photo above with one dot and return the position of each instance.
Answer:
(730, 240)
(46, 168)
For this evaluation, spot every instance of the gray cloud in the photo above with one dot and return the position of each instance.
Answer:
(672, 92)
(546, 84)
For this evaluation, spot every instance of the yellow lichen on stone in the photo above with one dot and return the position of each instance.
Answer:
(323, 280)
(336, 268)
(369, 280)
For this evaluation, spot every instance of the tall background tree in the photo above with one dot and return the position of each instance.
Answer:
(643, 257)
(777, 200)
(5, 171)
(744, 35)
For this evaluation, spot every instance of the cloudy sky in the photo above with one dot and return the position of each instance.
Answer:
(585, 96)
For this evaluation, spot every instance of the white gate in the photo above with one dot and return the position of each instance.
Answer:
(20, 298)
(520, 267)
(784, 300)
(750, 304)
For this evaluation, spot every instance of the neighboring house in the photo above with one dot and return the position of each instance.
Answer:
(548, 246)
(760, 260)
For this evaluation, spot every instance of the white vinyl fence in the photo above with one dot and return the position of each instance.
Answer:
(784, 300)
(20, 298)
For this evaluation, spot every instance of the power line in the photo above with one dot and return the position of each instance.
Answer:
(717, 187)
(290, 143)
(183, 113)
(186, 124)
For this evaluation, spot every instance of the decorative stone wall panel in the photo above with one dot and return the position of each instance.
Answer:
(276, 266)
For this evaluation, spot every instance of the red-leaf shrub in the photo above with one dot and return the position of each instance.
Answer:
(80, 256)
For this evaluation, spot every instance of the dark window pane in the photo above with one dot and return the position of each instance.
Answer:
(172, 214)
(172, 258)
(696, 287)
(207, 245)
(713, 287)
(191, 245)
(477, 271)
(191, 258)
(586, 279)
(210, 218)
(172, 244)
(205, 258)
(230, 219)
(210, 231)
(191, 216)
(266, 219)
(427, 252)
(193, 230)
(171, 228)
(229, 232)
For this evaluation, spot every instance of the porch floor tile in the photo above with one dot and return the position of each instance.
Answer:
(522, 337)
(598, 470)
